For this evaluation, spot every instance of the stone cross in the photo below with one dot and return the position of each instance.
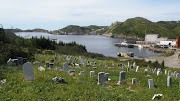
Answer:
(28, 71)
(169, 81)
(65, 65)
(134, 80)
(150, 82)
(101, 79)
(122, 76)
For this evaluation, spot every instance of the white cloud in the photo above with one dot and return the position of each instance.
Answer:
(64, 12)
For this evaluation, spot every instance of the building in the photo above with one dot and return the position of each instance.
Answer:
(178, 41)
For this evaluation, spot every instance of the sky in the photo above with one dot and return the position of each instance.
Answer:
(56, 14)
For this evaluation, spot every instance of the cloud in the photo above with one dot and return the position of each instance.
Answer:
(101, 12)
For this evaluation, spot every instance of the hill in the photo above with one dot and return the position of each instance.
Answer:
(137, 27)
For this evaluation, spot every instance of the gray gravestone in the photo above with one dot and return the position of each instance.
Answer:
(177, 75)
(20, 60)
(106, 76)
(122, 76)
(65, 65)
(169, 73)
(81, 73)
(59, 68)
(92, 73)
(51, 65)
(169, 81)
(101, 78)
(150, 82)
(134, 80)
(28, 71)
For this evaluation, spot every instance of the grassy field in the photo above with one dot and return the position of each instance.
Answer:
(85, 87)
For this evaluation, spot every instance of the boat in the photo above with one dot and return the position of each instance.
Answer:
(131, 54)
(124, 44)
(127, 55)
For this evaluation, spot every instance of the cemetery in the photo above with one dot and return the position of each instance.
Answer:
(66, 77)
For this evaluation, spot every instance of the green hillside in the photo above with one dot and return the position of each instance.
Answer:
(139, 26)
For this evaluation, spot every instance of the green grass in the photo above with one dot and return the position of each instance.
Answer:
(85, 87)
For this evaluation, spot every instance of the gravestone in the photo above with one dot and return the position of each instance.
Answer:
(145, 70)
(137, 68)
(128, 64)
(150, 82)
(41, 68)
(122, 76)
(165, 71)
(51, 60)
(174, 74)
(28, 71)
(169, 81)
(106, 76)
(134, 80)
(59, 68)
(169, 73)
(177, 76)
(92, 73)
(101, 79)
(91, 63)
(10, 62)
(65, 65)
(51, 65)
(81, 73)
(105, 62)
(37, 63)
(59, 58)
(20, 60)
(74, 61)
(71, 71)
(47, 64)
(134, 64)
(158, 72)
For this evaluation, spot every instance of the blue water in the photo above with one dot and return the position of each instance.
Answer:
(94, 43)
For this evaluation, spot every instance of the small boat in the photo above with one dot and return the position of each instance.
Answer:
(131, 54)
(124, 44)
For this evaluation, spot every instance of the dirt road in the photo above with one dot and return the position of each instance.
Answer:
(171, 61)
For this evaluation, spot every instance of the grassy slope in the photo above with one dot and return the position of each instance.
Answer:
(85, 87)
(137, 27)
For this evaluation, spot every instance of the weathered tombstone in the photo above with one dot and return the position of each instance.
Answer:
(137, 68)
(165, 71)
(10, 62)
(158, 72)
(92, 73)
(106, 76)
(150, 82)
(177, 75)
(169, 81)
(174, 73)
(51, 65)
(28, 71)
(37, 63)
(122, 76)
(81, 73)
(65, 65)
(20, 60)
(145, 70)
(59, 68)
(71, 71)
(134, 64)
(134, 80)
(47, 64)
(101, 78)
(169, 73)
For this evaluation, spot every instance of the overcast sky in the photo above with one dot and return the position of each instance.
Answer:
(56, 14)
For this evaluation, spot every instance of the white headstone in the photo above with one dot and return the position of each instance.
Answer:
(28, 71)
(137, 68)
(134, 64)
(150, 82)
(165, 71)
(41, 68)
(158, 72)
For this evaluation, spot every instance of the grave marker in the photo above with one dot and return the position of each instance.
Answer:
(122, 76)
(101, 78)
(28, 71)
(150, 82)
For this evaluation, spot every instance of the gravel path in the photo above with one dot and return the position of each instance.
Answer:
(171, 61)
